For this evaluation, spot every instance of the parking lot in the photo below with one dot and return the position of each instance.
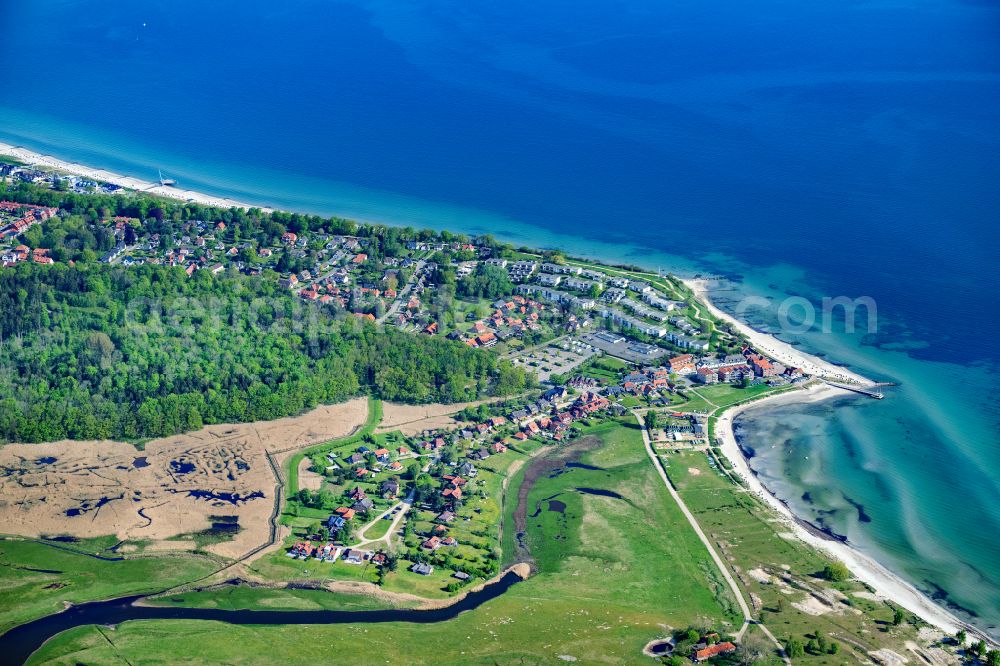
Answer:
(558, 358)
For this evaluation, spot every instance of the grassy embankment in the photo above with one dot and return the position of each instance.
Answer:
(612, 573)
(241, 597)
(36, 577)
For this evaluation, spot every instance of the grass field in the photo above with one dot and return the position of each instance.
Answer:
(603, 368)
(240, 597)
(613, 574)
(36, 578)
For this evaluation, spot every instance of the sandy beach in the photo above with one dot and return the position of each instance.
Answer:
(781, 351)
(47, 162)
(864, 568)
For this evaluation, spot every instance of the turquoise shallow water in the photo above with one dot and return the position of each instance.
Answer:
(816, 151)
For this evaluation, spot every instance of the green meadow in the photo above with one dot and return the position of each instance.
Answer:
(37, 577)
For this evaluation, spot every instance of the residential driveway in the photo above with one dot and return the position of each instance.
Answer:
(403, 507)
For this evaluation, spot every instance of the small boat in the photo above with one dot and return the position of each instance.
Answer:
(166, 182)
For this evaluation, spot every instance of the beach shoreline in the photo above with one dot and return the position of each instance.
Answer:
(864, 568)
(775, 348)
(886, 583)
(36, 159)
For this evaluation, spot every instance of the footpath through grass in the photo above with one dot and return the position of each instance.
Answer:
(614, 569)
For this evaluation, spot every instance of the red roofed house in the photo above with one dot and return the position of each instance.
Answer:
(41, 256)
(708, 375)
(487, 339)
(763, 367)
(682, 365)
(714, 651)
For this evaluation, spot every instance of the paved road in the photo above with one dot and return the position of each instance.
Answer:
(403, 506)
(744, 607)
(404, 294)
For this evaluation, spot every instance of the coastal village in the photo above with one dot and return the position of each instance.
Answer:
(606, 344)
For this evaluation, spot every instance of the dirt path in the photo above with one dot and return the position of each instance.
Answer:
(744, 606)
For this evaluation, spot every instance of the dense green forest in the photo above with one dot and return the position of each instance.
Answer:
(95, 351)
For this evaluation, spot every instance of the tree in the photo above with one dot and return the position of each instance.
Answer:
(993, 658)
(961, 636)
(794, 648)
(821, 643)
(486, 282)
(979, 648)
(754, 648)
(836, 572)
(897, 617)
(651, 420)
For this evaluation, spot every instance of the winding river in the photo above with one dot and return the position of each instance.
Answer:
(20, 642)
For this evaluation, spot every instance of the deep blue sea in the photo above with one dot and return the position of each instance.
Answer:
(812, 149)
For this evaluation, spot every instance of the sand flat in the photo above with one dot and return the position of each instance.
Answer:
(413, 419)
